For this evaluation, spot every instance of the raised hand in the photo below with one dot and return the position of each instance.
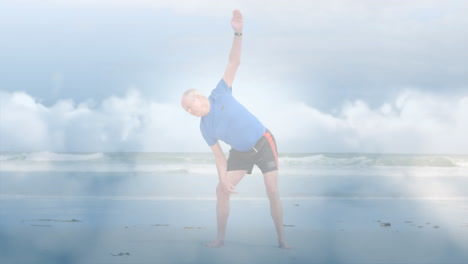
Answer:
(236, 21)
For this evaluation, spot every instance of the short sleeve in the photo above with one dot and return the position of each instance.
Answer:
(209, 140)
(221, 89)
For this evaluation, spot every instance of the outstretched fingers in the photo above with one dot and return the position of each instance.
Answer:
(237, 19)
(236, 13)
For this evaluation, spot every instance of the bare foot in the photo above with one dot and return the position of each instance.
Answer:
(282, 244)
(215, 244)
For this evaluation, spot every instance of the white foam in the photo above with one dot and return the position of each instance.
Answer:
(4, 157)
(196, 164)
(374, 160)
(323, 160)
(459, 161)
(53, 156)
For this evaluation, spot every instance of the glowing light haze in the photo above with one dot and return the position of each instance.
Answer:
(324, 76)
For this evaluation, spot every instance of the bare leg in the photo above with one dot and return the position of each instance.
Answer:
(276, 209)
(222, 207)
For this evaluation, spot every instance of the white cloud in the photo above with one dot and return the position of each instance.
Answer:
(415, 122)
(131, 123)
(343, 48)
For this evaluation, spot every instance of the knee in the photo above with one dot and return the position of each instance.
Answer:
(221, 193)
(272, 191)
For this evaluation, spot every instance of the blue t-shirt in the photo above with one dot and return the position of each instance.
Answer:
(230, 121)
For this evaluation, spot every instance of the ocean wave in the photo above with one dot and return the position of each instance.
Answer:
(5, 157)
(460, 162)
(50, 156)
(323, 160)
(375, 160)
(204, 164)
(27, 166)
(53, 156)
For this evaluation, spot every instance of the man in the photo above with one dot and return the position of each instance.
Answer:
(223, 118)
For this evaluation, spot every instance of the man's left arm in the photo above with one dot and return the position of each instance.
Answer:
(234, 56)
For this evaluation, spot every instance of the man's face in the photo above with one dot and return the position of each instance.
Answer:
(193, 106)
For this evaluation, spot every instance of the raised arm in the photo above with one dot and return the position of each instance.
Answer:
(234, 56)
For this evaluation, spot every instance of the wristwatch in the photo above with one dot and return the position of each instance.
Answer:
(237, 34)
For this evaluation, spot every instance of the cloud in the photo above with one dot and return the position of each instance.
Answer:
(326, 52)
(414, 122)
(129, 123)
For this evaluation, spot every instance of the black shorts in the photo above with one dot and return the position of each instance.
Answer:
(264, 154)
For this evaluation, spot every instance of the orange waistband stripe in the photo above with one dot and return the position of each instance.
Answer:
(273, 147)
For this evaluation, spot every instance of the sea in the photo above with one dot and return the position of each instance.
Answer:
(193, 176)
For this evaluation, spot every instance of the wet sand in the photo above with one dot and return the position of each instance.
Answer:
(89, 230)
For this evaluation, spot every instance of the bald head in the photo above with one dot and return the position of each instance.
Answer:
(195, 103)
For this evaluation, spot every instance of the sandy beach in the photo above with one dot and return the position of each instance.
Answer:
(160, 208)
(85, 230)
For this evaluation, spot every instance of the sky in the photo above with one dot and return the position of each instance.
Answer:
(323, 76)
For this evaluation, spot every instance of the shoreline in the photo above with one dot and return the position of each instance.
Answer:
(213, 198)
